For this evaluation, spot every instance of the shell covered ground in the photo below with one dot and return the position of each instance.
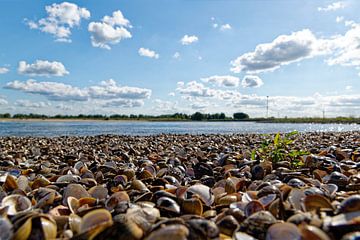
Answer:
(280, 186)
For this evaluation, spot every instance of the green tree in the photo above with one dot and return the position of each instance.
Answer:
(240, 115)
(197, 116)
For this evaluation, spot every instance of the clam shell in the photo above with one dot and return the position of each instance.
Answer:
(16, 204)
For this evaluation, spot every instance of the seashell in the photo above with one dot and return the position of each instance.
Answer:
(129, 173)
(258, 223)
(16, 204)
(69, 178)
(40, 182)
(6, 228)
(174, 232)
(314, 202)
(351, 204)
(204, 193)
(74, 190)
(227, 199)
(98, 192)
(283, 231)
(242, 236)
(138, 185)
(209, 214)
(23, 183)
(39, 225)
(95, 222)
(168, 206)
(202, 229)
(75, 223)
(253, 207)
(227, 225)
(296, 183)
(312, 232)
(351, 236)
(192, 206)
(10, 183)
(295, 198)
(267, 200)
(113, 201)
(23, 232)
(338, 179)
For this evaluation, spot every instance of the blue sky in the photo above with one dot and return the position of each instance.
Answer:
(167, 56)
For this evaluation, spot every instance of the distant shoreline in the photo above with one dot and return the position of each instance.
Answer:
(257, 120)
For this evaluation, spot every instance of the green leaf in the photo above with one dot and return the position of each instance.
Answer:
(292, 133)
(253, 154)
(276, 139)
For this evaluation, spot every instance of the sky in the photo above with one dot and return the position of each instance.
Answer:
(167, 56)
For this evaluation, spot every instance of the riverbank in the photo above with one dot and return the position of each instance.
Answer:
(239, 186)
(339, 120)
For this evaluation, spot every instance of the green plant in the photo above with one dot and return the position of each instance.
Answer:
(280, 148)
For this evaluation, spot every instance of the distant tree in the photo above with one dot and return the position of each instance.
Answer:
(197, 116)
(240, 115)
(5, 115)
(222, 116)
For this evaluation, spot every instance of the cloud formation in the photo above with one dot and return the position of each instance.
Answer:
(30, 104)
(285, 49)
(251, 81)
(56, 91)
(61, 18)
(145, 52)
(345, 48)
(332, 7)
(3, 101)
(187, 40)
(111, 30)
(3, 70)
(224, 81)
(42, 68)
(126, 103)
(195, 89)
(225, 27)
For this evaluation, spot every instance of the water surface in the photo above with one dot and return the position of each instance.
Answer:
(82, 128)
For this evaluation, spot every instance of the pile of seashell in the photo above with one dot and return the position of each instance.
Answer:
(178, 187)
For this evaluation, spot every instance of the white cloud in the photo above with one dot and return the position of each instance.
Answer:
(285, 49)
(332, 7)
(3, 101)
(109, 89)
(348, 88)
(52, 90)
(56, 91)
(126, 103)
(339, 19)
(215, 25)
(29, 104)
(225, 81)
(42, 68)
(111, 30)
(225, 27)
(346, 51)
(61, 18)
(251, 81)
(187, 40)
(3, 70)
(176, 55)
(145, 52)
(171, 94)
(195, 89)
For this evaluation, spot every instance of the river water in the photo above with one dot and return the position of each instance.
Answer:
(60, 128)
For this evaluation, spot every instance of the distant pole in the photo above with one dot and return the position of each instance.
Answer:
(324, 113)
(267, 106)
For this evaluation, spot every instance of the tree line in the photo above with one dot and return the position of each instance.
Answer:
(197, 116)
